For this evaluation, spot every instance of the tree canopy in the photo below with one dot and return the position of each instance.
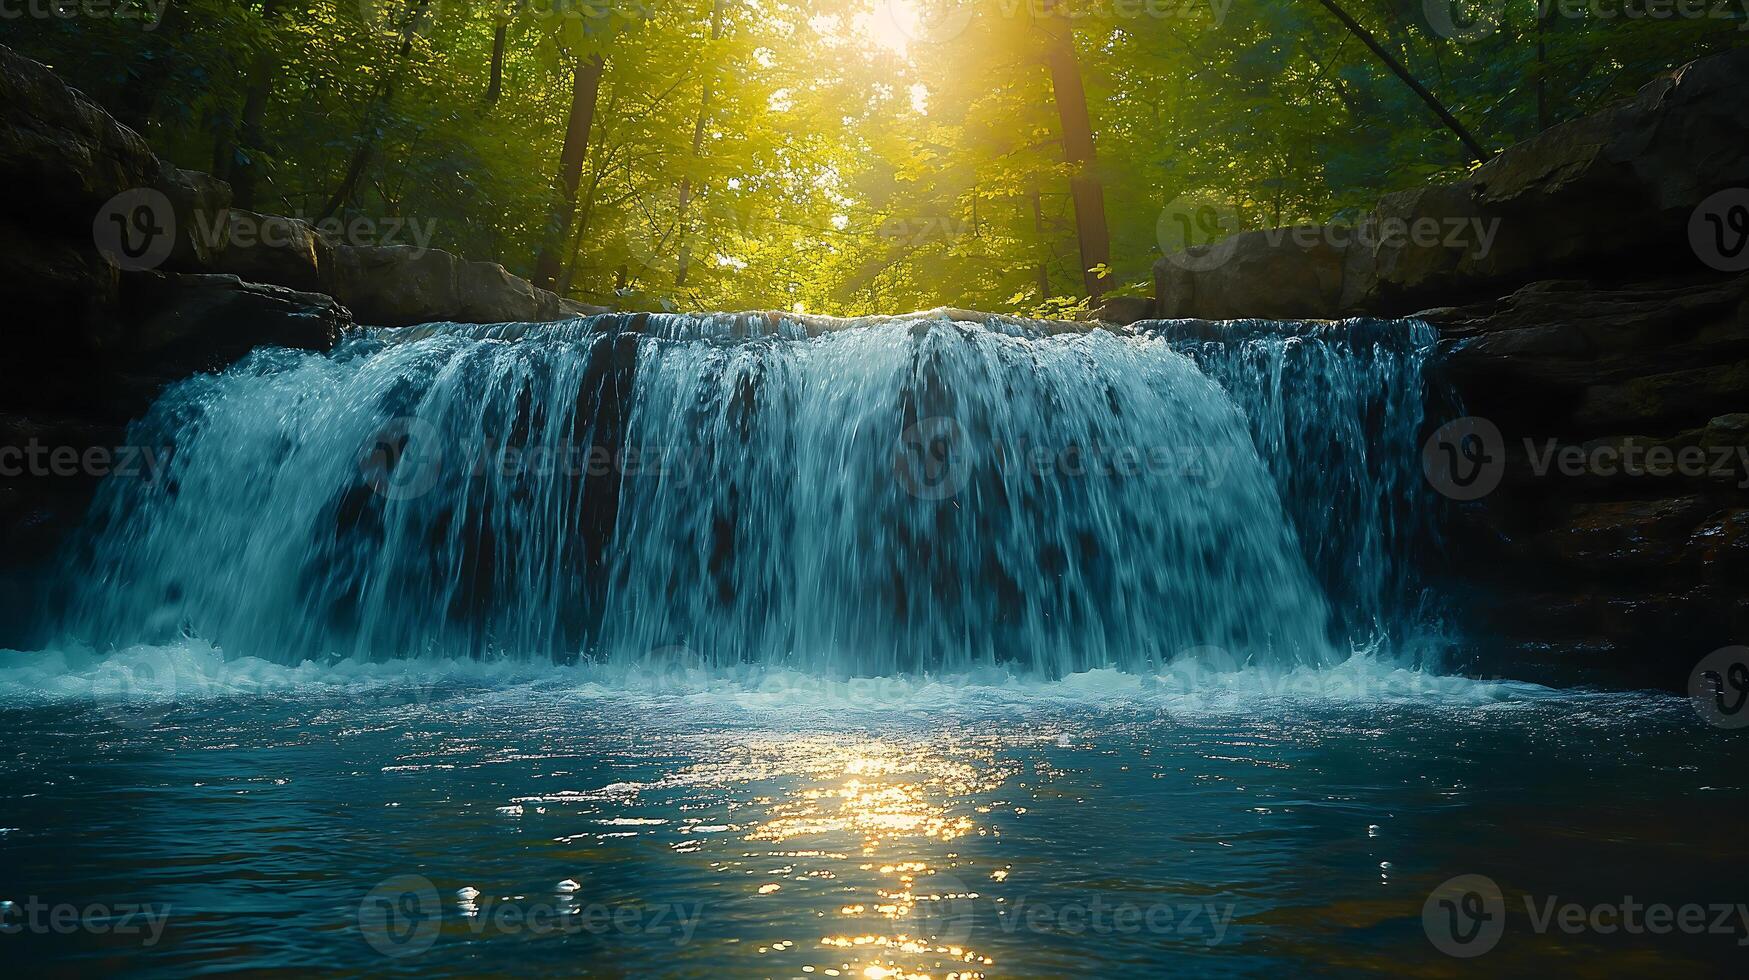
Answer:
(850, 156)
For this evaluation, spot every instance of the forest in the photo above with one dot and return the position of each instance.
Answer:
(847, 156)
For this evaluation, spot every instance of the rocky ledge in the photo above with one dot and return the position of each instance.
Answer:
(96, 327)
(1595, 330)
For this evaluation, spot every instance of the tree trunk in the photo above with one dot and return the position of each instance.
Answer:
(584, 88)
(683, 256)
(1542, 70)
(1038, 228)
(1084, 184)
(238, 161)
(496, 87)
(1396, 67)
(139, 97)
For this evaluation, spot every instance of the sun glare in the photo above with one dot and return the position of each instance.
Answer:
(890, 24)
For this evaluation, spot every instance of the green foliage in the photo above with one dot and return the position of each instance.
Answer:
(846, 163)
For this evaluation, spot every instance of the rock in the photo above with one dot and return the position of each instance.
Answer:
(1281, 273)
(48, 281)
(1125, 310)
(1415, 243)
(1531, 359)
(395, 285)
(1677, 397)
(187, 323)
(199, 210)
(275, 250)
(488, 293)
(1610, 193)
(61, 157)
(403, 285)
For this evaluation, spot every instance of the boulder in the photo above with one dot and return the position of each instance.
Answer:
(1622, 518)
(1278, 273)
(61, 157)
(1124, 310)
(279, 251)
(1610, 193)
(402, 285)
(182, 323)
(198, 218)
(56, 293)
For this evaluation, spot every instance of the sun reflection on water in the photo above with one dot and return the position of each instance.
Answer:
(878, 827)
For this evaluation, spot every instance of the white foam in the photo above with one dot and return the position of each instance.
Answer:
(194, 671)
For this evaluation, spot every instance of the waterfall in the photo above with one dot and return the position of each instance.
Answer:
(910, 494)
(1337, 411)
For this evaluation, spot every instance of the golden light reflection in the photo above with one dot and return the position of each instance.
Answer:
(870, 827)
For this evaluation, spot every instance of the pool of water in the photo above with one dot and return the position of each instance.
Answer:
(169, 812)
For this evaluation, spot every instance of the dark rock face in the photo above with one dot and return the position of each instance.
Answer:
(92, 338)
(189, 323)
(279, 251)
(1124, 310)
(1611, 193)
(61, 156)
(1281, 273)
(1617, 535)
(402, 285)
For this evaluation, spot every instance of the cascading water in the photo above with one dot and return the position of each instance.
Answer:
(1336, 410)
(855, 497)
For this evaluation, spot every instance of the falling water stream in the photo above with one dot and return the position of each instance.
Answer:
(763, 644)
